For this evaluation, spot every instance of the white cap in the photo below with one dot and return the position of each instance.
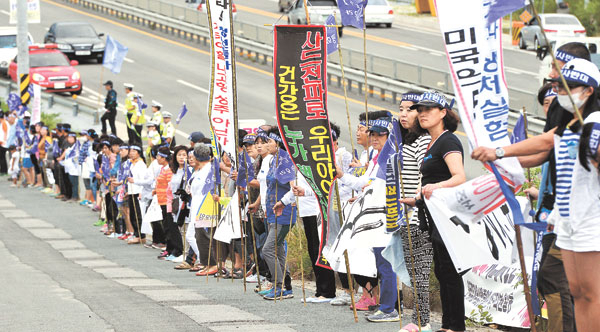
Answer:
(137, 95)
(26, 114)
(167, 115)
(151, 123)
(156, 104)
(128, 85)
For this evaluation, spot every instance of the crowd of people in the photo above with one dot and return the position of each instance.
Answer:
(185, 185)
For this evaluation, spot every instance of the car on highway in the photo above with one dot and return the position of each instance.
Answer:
(76, 40)
(8, 47)
(379, 12)
(51, 69)
(555, 26)
(202, 7)
(318, 10)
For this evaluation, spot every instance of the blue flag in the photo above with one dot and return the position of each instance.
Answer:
(73, 151)
(284, 171)
(332, 35)
(501, 8)
(394, 254)
(114, 54)
(13, 101)
(519, 133)
(105, 168)
(124, 171)
(181, 114)
(55, 148)
(352, 12)
(393, 142)
(246, 169)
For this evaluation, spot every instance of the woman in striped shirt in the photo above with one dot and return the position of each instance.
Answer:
(418, 252)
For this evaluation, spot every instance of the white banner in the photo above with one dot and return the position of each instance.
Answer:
(221, 101)
(498, 289)
(33, 11)
(228, 227)
(36, 105)
(475, 241)
(475, 57)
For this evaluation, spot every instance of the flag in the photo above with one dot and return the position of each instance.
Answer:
(105, 168)
(13, 101)
(181, 114)
(114, 54)
(284, 171)
(500, 8)
(391, 146)
(73, 151)
(332, 35)
(246, 169)
(352, 12)
(394, 254)
(141, 105)
(519, 132)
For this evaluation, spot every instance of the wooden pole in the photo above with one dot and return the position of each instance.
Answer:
(252, 230)
(306, 12)
(365, 67)
(276, 256)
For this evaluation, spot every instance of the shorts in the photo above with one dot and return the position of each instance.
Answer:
(581, 236)
(27, 163)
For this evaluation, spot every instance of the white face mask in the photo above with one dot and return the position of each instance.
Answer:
(565, 102)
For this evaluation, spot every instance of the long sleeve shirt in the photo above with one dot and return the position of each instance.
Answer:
(139, 174)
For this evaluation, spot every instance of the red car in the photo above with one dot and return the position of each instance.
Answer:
(50, 69)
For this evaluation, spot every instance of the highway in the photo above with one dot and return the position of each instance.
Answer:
(173, 71)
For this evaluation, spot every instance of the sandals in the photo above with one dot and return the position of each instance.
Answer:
(183, 266)
(207, 272)
(237, 274)
(197, 268)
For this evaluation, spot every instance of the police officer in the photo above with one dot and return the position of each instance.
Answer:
(157, 116)
(168, 130)
(110, 107)
(138, 118)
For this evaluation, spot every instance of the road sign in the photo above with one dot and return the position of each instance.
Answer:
(33, 11)
(526, 16)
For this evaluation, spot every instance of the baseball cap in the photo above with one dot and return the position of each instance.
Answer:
(196, 136)
(432, 99)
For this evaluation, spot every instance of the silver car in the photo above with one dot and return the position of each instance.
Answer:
(319, 11)
(555, 26)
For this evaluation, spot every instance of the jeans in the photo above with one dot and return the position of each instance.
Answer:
(74, 180)
(388, 287)
(276, 259)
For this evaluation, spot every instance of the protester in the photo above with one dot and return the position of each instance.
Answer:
(13, 165)
(3, 144)
(135, 187)
(442, 167)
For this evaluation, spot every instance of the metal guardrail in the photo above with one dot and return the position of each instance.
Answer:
(255, 43)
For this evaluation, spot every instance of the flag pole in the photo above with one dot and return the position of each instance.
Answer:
(276, 258)
(337, 30)
(365, 67)
(306, 12)
(525, 125)
(300, 246)
(252, 229)
(346, 260)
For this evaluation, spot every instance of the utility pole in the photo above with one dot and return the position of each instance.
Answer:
(23, 51)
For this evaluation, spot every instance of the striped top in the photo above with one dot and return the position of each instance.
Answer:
(412, 156)
(566, 148)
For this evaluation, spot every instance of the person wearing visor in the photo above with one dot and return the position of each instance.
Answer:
(168, 129)
(442, 167)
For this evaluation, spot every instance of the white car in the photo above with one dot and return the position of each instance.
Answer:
(319, 11)
(8, 47)
(555, 26)
(379, 12)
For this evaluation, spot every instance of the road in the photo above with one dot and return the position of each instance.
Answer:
(174, 71)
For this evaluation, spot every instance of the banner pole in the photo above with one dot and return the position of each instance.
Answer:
(525, 124)
(209, 249)
(300, 246)
(365, 67)
(525, 279)
(347, 261)
(306, 12)
(337, 30)
(136, 220)
(276, 256)
(252, 230)
(287, 251)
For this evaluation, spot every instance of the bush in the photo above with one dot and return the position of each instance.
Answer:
(296, 256)
(50, 119)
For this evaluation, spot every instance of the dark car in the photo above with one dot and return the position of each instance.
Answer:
(76, 40)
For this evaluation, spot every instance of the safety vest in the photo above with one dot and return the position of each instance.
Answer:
(168, 130)
(158, 118)
(129, 103)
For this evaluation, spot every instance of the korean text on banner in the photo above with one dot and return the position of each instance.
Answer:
(221, 101)
(33, 12)
(474, 52)
(301, 99)
(36, 107)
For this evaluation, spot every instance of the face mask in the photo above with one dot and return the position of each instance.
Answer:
(565, 102)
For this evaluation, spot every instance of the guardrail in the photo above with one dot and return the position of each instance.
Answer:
(387, 78)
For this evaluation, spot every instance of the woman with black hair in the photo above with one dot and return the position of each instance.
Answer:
(164, 196)
(442, 167)
(138, 175)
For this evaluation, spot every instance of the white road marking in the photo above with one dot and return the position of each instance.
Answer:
(5, 12)
(436, 54)
(195, 87)
(86, 89)
(520, 71)
(128, 60)
(410, 48)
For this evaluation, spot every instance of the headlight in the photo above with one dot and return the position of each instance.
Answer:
(64, 46)
(38, 77)
(99, 46)
(75, 76)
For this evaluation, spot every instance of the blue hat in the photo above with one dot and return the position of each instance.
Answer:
(381, 125)
(433, 99)
(249, 138)
(196, 136)
(414, 97)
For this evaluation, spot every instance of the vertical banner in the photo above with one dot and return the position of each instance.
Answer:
(222, 97)
(474, 53)
(300, 65)
(33, 12)
(36, 107)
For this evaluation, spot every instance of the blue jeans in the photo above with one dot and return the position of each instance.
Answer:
(74, 179)
(388, 289)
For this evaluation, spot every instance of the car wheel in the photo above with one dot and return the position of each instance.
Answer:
(522, 44)
(100, 58)
(536, 44)
(388, 25)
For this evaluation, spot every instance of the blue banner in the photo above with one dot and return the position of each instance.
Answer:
(519, 132)
(352, 12)
(332, 35)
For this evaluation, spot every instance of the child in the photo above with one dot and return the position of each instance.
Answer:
(13, 168)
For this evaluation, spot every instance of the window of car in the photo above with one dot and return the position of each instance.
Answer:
(8, 41)
(47, 59)
(566, 20)
(319, 3)
(377, 2)
(75, 30)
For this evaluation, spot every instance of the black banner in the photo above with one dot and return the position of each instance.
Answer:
(300, 70)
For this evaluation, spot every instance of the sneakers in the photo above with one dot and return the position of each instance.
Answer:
(364, 303)
(343, 299)
(414, 328)
(84, 202)
(288, 294)
(319, 299)
(112, 235)
(265, 291)
(273, 294)
(380, 317)
(264, 285)
(253, 279)
(178, 259)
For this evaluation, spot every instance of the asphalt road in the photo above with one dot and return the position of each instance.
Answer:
(173, 71)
